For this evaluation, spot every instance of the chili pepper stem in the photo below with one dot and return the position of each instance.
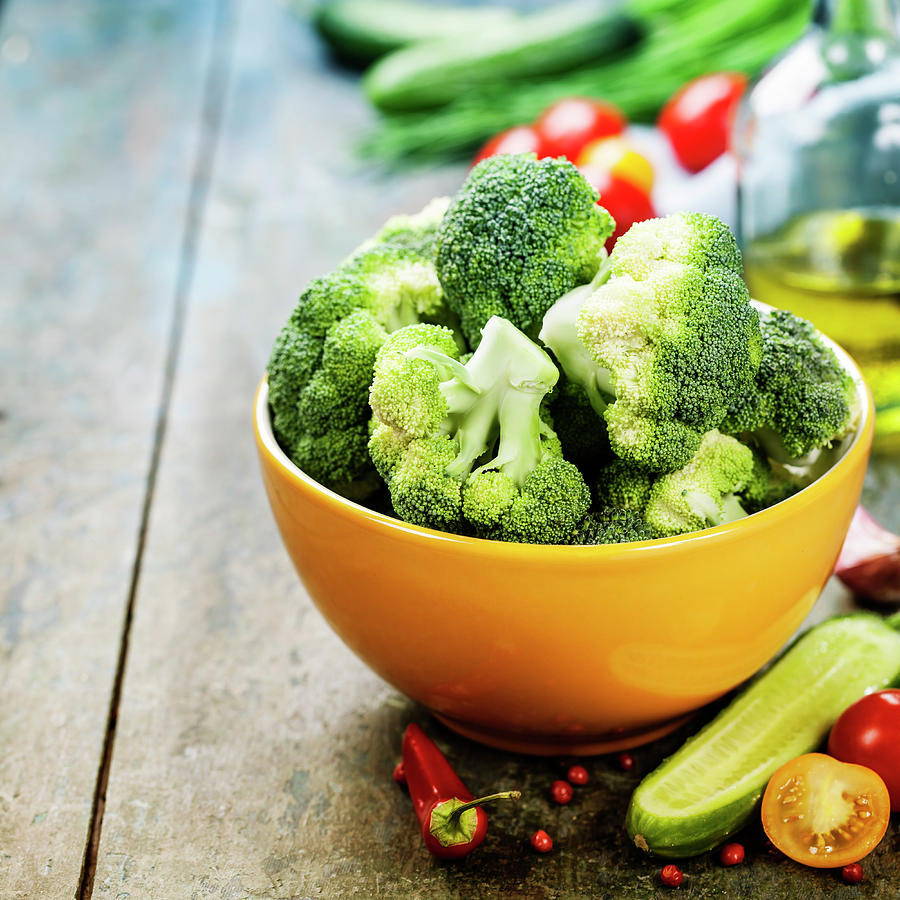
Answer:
(503, 795)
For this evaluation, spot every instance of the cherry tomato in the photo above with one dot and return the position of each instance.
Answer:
(626, 203)
(697, 119)
(521, 139)
(566, 126)
(868, 733)
(824, 813)
(577, 775)
(619, 158)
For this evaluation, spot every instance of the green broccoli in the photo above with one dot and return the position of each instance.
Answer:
(771, 482)
(322, 361)
(802, 400)
(703, 493)
(613, 526)
(623, 485)
(580, 431)
(664, 341)
(520, 233)
(464, 448)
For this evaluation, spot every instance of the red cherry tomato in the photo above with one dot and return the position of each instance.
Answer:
(868, 734)
(626, 203)
(521, 139)
(697, 119)
(566, 126)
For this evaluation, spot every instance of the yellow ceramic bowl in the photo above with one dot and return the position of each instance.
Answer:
(558, 650)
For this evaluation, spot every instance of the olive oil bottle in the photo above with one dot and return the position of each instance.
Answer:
(817, 139)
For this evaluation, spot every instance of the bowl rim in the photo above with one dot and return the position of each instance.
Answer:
(855, 445)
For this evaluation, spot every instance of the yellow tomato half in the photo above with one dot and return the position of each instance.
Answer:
(616, 156)
(824, 813)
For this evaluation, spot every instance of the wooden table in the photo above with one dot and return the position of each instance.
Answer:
(176, 720)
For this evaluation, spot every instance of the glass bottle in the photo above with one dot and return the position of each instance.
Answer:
(818, 144)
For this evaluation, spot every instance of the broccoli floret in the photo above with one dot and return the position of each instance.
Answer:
(520, 233)
(666, 343)
(770, 483)
(802, 400)
(613, 526)
(623, 485)
(322, 361)
(464, 448)
(704, 492)
(418, 231)
(581, 432)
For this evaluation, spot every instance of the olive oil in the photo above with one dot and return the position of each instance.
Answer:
(841, 270)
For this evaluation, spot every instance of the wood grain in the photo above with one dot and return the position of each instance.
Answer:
(100, 117)
(238, 700)
(254, 752)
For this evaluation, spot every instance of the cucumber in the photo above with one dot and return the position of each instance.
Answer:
(360, 31)
(708, 789)
(558, 39)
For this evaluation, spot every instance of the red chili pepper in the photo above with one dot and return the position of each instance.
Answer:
(453, 823)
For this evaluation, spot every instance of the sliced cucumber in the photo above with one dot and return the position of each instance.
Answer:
(707, 790)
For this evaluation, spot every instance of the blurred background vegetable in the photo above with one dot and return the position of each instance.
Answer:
(869, 564)
(678, 41)
(545, 43)
(360, 31)
(567, 125)
(697, 119)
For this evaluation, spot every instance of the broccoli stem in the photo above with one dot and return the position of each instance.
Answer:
(497, 394)
(729, 510)
(560, 333)
(519, 450)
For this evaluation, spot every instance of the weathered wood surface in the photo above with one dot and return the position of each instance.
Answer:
(253, 752)
(99, 119)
